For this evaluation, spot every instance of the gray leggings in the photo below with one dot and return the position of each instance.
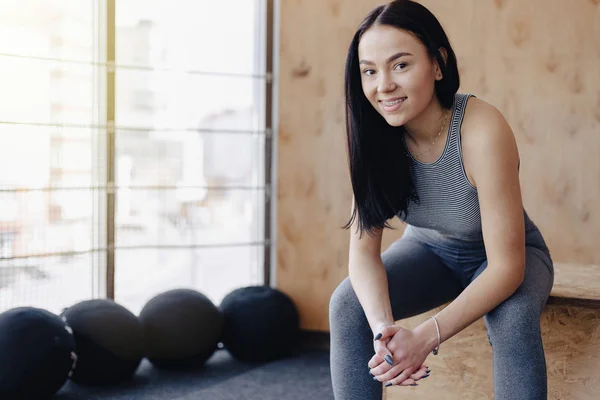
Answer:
(426, 270)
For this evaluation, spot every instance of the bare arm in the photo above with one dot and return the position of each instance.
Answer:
(369, 279)
(493, 158)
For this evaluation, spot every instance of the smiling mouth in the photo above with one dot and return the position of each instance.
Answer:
(390, 103)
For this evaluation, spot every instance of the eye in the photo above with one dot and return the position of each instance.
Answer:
(368, 72)
(400, 66)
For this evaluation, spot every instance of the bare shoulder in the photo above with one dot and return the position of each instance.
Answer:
(486, 135)
(483, 122)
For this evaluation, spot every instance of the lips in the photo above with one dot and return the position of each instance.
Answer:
(392, 105)
(393, 101)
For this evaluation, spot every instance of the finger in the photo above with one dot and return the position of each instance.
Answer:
(401, 378)
(407, 382)
(385, 354)
(375, 361)
(394, 372)
(387, 332)
(422, 373)
(382, 369)
(379, 369)
(382, 364)
(412, 380)
(377, 365)
(387, 375)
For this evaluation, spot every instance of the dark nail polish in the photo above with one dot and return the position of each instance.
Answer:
(414, 384)
(379, 335)
(427, 371)
(388, 359)
(388, 384)
(425, 376)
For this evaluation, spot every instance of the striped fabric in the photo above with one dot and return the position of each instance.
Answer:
(448, 202)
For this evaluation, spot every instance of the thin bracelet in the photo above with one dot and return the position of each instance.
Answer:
(437, 328)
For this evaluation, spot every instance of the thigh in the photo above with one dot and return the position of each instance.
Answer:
(418, 279)
(524, 307)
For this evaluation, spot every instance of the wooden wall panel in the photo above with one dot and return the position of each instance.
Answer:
(536, 60)
(313, 188)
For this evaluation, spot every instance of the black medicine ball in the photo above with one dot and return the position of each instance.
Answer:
(109, 340)
(261, 323)
(37, 352)
(182, 328)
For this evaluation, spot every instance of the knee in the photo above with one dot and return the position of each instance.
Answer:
(344, 306)
(514, 320)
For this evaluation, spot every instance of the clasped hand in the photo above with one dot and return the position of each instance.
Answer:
(399, 357)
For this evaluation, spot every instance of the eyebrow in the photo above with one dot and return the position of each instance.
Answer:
(389, 60)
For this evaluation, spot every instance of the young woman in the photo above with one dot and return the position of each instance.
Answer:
(447, 165)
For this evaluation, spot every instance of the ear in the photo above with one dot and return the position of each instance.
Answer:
(437, 73)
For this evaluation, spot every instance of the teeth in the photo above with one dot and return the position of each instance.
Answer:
(391, 103)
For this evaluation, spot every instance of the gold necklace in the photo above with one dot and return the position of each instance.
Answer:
(437, 137)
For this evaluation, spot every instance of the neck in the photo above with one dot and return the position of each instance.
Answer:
(426, 126)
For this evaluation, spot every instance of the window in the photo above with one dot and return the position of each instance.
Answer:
(132, 149)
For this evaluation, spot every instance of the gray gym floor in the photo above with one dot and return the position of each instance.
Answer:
(300, 377)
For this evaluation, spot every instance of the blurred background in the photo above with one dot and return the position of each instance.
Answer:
(132, 149)
(148, 145)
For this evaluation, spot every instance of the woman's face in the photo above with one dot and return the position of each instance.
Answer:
(398, 75)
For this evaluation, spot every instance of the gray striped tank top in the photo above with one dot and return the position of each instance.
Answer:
(448, 203)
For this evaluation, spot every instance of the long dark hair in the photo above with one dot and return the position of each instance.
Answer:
(379, 165)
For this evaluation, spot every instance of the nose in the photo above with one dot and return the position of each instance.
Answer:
(385, 84)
